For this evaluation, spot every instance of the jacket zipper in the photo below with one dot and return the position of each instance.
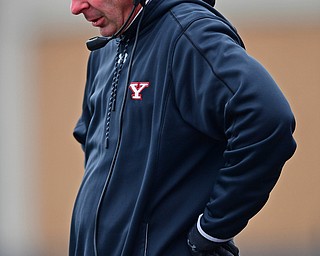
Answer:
(119, 138)
(107, 181)
(146, 240)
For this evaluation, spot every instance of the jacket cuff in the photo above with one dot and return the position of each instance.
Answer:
(208, 237)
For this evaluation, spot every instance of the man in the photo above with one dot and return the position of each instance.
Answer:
(184, 133)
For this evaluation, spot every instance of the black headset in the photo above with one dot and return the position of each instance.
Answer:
(98, 42)
(211, 2)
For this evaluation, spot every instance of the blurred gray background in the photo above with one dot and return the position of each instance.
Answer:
(42, 75)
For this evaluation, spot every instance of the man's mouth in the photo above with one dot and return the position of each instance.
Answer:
(97, 22)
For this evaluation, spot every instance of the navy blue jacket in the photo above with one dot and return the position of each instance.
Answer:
(190, 125)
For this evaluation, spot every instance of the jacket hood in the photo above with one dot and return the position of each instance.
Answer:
(157, 8)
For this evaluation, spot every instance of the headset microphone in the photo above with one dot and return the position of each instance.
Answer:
(98, 42)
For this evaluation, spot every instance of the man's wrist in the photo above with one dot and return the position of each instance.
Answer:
(200, 245)
(207, 236)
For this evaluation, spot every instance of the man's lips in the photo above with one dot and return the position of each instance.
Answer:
(97, 22)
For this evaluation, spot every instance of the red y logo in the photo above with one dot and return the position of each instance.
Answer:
(137, 88)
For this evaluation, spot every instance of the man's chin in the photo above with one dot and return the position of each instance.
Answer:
(104, 32)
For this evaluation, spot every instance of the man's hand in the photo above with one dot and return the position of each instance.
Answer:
(200, 246)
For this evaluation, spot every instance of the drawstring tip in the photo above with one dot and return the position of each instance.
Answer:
(106, 143)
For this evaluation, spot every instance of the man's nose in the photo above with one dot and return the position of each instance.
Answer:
(77, 6)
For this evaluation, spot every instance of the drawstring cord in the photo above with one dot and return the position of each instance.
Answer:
(118, 67)
(119, 61)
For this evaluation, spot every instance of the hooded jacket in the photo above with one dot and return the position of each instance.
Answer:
(176, 123)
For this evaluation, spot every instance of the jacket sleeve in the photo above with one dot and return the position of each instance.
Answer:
(228, 95)
(81, 128)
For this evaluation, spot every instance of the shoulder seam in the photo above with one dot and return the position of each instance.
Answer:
(183, 30)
